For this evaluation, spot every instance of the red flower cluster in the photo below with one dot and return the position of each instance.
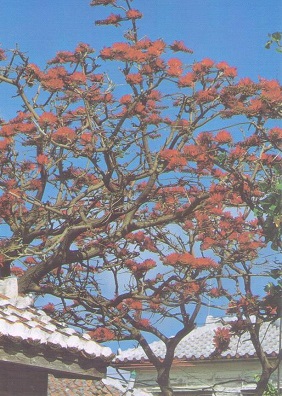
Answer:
(43, 159)
(134, 78)
(49, 308)
(174, 67)
(173, 158)
(187, 80)
(188, 259)
(223, 137)
(275, 135)
(4, 144)
(221, 339)
(2, 54)
(145, 266)
(63, 57)
(227, 70)
(102, 334)
(143, 51)
(47, 119)
(112, 19)
(180, 46)
(17, 271)
(134, 14)
(64, 135)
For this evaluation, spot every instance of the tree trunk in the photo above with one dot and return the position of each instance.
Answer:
(263, 382)
(164, 381)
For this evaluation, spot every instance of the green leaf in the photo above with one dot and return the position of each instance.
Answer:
(272, 208)
(276, 36)
(275, 273)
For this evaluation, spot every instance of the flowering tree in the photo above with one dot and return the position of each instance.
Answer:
(137, 202)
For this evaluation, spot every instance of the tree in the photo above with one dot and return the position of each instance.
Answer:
(139, 201)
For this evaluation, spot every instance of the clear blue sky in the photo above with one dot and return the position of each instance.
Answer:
(231, 30)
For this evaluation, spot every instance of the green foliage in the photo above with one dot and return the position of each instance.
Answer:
(274, 38)
(271, 391)
(271, 208)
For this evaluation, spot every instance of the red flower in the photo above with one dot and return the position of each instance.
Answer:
(49, 308)
(87, 137)
(192, 151)
(230, 72)
(64, 135)
(63, 57)
(221, 339)
(144, 43)
(208, 63)
(47, 119)
(2, 54)
(222, 66)
(83, 48)
(275, 134)
(77, 78)
(227, 70)
(180, 46)
(157, 48)
(33, 71)
(134, 304)
(134, 14)
(134, 78)
(96, 77)
(215, 292)
(206, 95)
(30, 260)
(42, 159)
(144, 322)
(189, 260)
(187, 80)
(4, 143)
(17, 271)
(102, 334)
(112, 19)
(223, 137)
(203, 66)
(173, 157)
(125, 99)
(175, 67)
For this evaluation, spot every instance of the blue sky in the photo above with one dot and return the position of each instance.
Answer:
(235, 31)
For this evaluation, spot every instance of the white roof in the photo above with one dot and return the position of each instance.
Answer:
(199, 345)
(20, 323)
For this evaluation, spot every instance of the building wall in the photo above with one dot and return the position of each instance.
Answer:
(19, 380)
(223, 378)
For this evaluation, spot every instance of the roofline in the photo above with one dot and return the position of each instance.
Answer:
(129, 365)
(60, 365)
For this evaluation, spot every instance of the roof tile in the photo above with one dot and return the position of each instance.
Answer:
(22, 324)
(198, 345)
(79, 387)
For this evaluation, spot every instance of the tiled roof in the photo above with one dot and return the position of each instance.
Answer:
(198, 345)
(79, 387)
(31, 327)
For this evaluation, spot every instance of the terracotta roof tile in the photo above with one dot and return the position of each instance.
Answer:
(79, 387)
